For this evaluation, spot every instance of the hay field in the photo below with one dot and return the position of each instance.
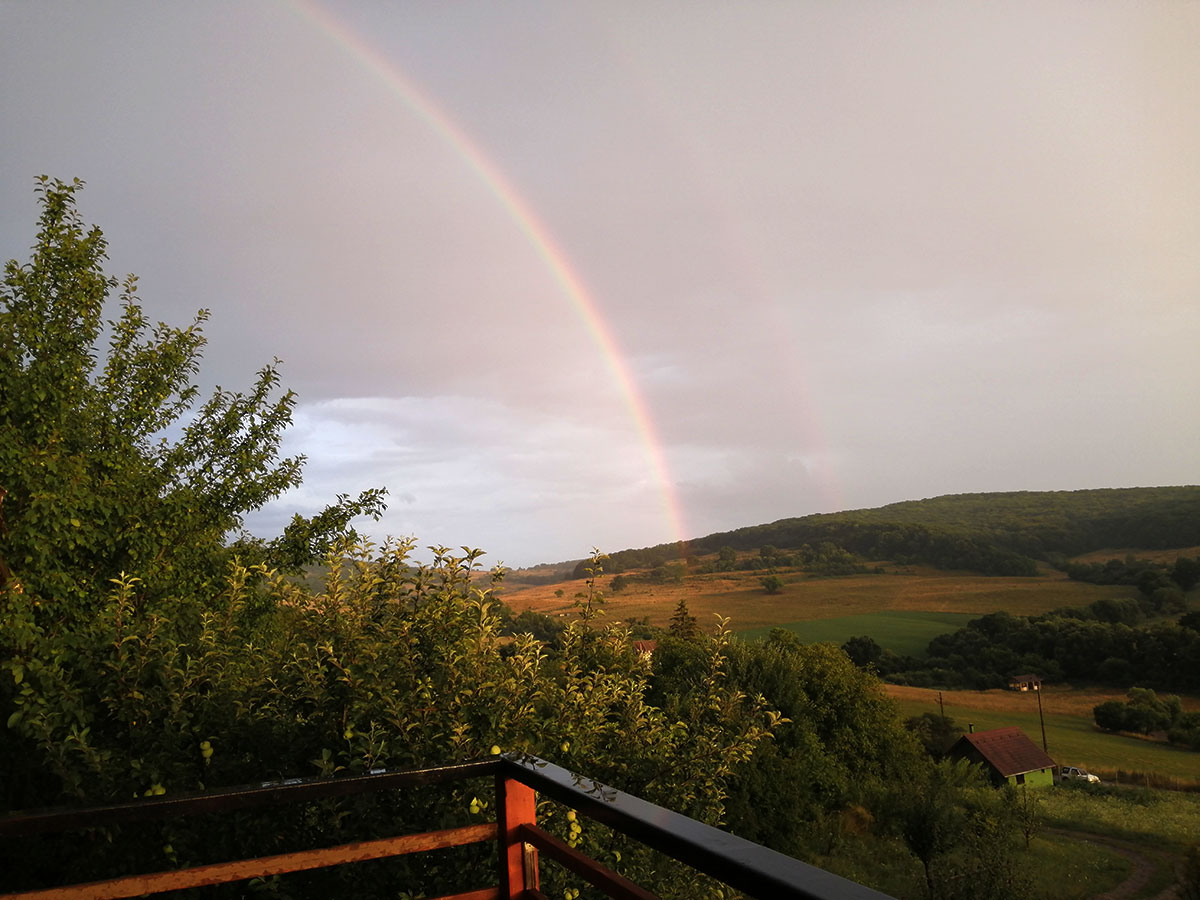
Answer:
(739, 596)
(1057, 699)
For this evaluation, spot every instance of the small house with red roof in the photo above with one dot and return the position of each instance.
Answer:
(1008, 755)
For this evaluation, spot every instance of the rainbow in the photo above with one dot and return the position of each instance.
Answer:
(531, 226)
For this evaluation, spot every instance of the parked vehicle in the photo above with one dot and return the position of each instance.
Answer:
(1074, 773)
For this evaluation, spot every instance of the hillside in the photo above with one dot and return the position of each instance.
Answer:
(994, 534)
(925, 566)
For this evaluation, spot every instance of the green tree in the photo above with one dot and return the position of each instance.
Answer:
(839, 744)
(1186, 572)
(1027, 810)
(936, 733)
(683, 623)
(772, 584)
(1110, 715)
(929, 815)
(863, 650)
(388, 663)
(104, 465)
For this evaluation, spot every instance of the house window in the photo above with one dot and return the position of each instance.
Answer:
(1020, 779)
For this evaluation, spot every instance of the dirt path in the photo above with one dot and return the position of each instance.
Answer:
(1144, 867)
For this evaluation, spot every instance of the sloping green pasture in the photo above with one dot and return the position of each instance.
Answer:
(904, 632)
(1166, 819)
(1072, 740)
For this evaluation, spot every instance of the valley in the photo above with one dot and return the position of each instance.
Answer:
(902, 608)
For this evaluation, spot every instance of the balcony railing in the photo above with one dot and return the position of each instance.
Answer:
(749, 868)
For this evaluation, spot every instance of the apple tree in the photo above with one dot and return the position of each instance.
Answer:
(106, 463)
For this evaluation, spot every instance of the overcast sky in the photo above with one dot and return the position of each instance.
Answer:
(563, 275)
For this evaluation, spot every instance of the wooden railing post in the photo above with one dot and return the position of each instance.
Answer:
(516, 804)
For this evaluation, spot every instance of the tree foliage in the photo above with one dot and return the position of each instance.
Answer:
(937, 733)
(683, 624)
(1094, 644)
(841, 742)
(963, 832)
(106, 466)
(994, 533)
(1145, 712)
(388, 664)
(863, 650)
(150, 648)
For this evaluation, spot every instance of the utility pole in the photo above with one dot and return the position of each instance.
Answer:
(942, 707)
(1042, 719)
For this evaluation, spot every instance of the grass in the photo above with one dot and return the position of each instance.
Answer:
(1168, 820)
(1059, 867)
(906, 632)
(1062, 868)
(740, 596)
(1071, 735)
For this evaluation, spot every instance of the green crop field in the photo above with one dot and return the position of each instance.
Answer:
(1072, 740)
(902, 631)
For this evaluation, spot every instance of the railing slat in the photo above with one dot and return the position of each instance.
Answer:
(482, 894)
(281, 864)
(516, 805)
(245, 797)
(612, 883)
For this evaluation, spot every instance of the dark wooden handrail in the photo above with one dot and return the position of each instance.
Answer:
(747, 867)
(267, 793)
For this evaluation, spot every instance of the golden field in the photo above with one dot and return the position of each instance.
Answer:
(740, 596)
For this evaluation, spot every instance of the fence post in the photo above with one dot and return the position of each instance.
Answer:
(516, 804)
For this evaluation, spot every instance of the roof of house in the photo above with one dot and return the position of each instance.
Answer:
(1007, 750)
(1017, 678)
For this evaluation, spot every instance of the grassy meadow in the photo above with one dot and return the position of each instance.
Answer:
(1059, 867)
(1162, 819)
(740, 596)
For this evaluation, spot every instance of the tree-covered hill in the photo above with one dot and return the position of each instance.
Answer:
(996, 533)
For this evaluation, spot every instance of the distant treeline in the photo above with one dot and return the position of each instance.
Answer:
(994, 534)
(1145, 713)
(1096, 645)
(1146, 575)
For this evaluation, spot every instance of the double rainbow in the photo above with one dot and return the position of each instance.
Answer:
(530, 225)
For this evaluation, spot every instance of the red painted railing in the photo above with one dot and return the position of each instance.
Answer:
(749, 868)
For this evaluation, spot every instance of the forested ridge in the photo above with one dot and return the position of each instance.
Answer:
(990, 533)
